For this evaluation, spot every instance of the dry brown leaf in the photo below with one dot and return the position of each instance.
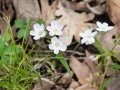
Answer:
(113, 7)
(114, 85)
(48, 11)
(81, 70)
(108, 40)
(7, 12)
(26, 9)
(93, 65)
(113, 12)
(87, 86)
(73, 85)
(99, 8)
(30, 9)
(46, 85)
(73, 23)
(66, 79)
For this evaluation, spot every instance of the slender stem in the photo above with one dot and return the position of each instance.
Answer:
(108, 63)
(68, 51)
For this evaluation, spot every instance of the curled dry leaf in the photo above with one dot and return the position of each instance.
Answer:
(73, 23)
(81, 70)
(99, 8)
(79, 6)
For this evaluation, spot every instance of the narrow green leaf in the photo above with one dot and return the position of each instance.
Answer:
(106, 83)
(115, 66)
(64, 62)
(101, 49)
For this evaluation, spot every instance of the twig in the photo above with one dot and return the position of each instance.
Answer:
(68, 51)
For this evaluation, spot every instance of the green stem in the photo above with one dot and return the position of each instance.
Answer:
(108, 64)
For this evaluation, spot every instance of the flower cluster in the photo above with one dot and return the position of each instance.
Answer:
(88, 35)
(54, 30)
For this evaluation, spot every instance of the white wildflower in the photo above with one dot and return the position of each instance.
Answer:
(54, 29)
(88, 37)
(103, 27)
(94, 57)
(56, 45)
(38, 31)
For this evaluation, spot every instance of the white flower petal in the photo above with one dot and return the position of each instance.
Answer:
(63, 47)
(36, 27)
(54, 39)
(105, 24)
(110, 28)
(99, 29)
(49, 28)
(36, 37)
(88, 31)
(93, 58)
(82, 34)
(33, 33)
(51, 33)
(83, 41)
(99, 24)
(59, 33)
(91, 40)
(56, 51)
(41, 27)
(54, 23)
(51, 46)
(93, 34)
(43, 34)
(60, 27)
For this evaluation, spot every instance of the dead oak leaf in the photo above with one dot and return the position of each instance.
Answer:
(26, 9)
(73, 23)
(48, 11)
(81, 70)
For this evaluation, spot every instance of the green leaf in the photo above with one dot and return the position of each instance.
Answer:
(64, 62)
(6, 59)
(41, 21)
(107, 82)
(20, 24)
(22, 33)
(12, 50)
(115, 66)
(2, 45)
(6, 36)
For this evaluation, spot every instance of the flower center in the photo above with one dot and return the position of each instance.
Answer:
(57, 44)
(55, 30)
(40, 33)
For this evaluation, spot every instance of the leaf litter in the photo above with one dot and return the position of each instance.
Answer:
(83, 72)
